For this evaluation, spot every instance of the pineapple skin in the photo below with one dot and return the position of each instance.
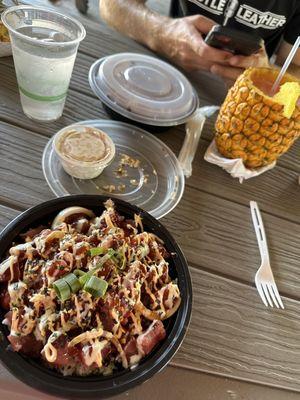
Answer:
(251, 126)
(4, 36)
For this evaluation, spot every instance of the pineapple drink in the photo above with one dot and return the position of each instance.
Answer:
(254, 126)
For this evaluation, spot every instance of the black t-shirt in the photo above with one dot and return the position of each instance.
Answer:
(271, 19)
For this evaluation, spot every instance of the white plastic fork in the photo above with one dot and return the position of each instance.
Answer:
(264, 279)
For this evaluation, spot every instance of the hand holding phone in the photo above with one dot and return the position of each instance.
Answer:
(233, 40)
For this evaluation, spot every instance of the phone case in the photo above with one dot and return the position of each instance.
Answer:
(233, 40)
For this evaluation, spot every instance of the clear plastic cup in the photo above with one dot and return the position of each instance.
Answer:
(44, 45)
(73, 156)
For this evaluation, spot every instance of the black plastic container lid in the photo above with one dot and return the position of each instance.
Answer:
(144, 89)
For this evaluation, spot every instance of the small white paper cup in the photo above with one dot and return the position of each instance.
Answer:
(83, 169)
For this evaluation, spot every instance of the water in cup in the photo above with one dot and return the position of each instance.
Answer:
(44, 45)
(43, 78)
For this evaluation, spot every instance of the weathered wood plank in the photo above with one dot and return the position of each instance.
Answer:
(6, 215)
(155, 388)
(276, 190)
(218, 235)
(186, 384)
(22, 183)
(233, 334)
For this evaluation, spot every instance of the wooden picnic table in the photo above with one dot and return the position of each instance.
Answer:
(235, 347)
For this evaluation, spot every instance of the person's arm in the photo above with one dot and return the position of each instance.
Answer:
(133, 18)
(179, 39)
(282, 54)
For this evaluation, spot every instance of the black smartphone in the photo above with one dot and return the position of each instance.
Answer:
(233, 40)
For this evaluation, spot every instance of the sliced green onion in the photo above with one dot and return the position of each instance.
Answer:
(73, 282)
(84, 278)
(62, 289)
(96, 286)
(78, 272)
(118, 257)
(111, 252)
(113, 255)
(97, 251)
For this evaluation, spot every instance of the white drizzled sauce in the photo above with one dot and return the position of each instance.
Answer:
(92, 352)
(49, 350)
(16, 291)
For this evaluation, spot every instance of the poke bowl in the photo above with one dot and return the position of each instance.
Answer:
(103, 323)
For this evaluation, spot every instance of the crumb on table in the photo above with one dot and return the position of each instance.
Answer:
(129, 161)
(121, 188)
(146, 177)
(121, 172)
(109, 188)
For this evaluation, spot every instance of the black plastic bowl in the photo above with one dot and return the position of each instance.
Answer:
(150, 128)
(39, 376)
